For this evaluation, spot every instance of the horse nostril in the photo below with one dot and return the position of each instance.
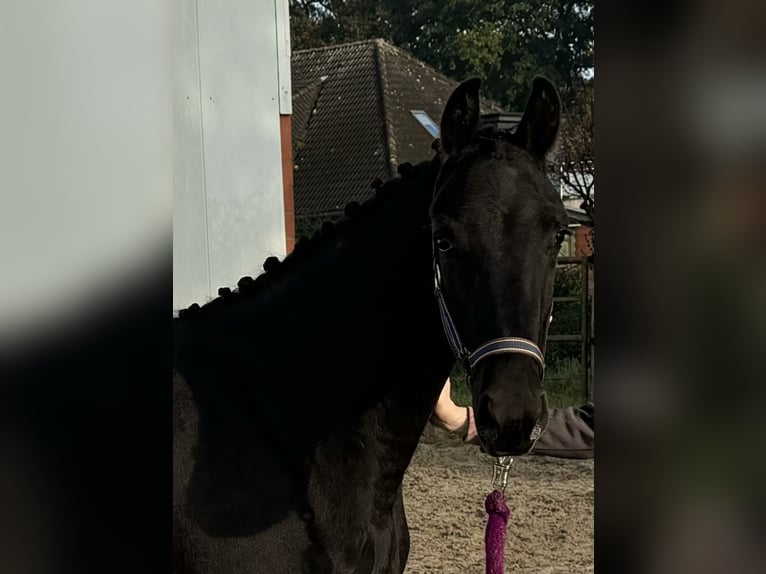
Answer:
(505, 411)
(483, 413)
(510, 412)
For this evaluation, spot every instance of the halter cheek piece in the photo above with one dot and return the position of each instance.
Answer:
(492, 347)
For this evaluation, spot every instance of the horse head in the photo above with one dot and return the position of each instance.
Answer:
(497, 224)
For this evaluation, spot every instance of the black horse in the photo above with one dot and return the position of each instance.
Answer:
(299, 398)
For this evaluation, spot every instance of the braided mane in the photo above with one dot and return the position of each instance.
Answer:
(354, 215)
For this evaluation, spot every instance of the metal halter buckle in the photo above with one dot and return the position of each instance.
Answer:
(500, 476)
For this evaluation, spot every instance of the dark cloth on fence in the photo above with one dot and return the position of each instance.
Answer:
(570, 433)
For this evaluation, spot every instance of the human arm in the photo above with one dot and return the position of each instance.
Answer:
(570, 432)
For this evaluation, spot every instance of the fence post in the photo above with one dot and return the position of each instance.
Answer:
(584, 327)
(591, 331)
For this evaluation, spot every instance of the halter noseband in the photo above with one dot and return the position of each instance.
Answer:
(497, 346)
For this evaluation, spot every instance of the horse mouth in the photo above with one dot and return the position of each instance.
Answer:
(493, 448)
(516, 439)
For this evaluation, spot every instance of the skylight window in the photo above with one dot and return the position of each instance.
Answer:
(425, 120)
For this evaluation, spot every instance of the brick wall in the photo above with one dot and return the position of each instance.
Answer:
(287, 180)
(583, 241)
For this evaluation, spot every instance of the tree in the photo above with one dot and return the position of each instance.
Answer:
(315, 23)
(505, 42)
(575, 157)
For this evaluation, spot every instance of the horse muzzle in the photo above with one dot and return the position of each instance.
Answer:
(512, 426)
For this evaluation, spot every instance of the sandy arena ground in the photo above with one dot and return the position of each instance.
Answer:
(550, 530)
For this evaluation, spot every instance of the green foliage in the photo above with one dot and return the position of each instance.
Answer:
(567, 316)
(563, 385)
(315, 23)
(505, 42)
(307, 225)
(461, 394)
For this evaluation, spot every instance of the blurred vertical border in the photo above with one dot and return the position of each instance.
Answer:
(680, 150)
(85, 287)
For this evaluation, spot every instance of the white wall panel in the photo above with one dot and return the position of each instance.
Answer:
(229, 192)
(191, 279)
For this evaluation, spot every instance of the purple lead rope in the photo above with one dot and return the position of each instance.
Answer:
(494, 536)
(497, 517)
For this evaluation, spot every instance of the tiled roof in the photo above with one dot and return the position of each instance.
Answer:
(352, 123)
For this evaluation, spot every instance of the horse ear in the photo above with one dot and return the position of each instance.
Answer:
(540, 123)
(460, 119)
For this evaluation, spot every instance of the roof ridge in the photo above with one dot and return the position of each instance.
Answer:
(336, 46)
(387, 128)
(310, 85)
(378, 43)
(316, 86)
(490, 103)
(418, 61)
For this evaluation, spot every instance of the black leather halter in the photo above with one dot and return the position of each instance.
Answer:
(468, 358)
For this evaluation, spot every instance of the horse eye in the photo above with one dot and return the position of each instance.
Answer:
(443, 245)
(561, 235)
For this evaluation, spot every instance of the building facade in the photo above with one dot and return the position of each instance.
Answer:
(232, 204)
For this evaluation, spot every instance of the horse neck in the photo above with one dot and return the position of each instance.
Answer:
(348, 327)
(370, 330)
(387, 357)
